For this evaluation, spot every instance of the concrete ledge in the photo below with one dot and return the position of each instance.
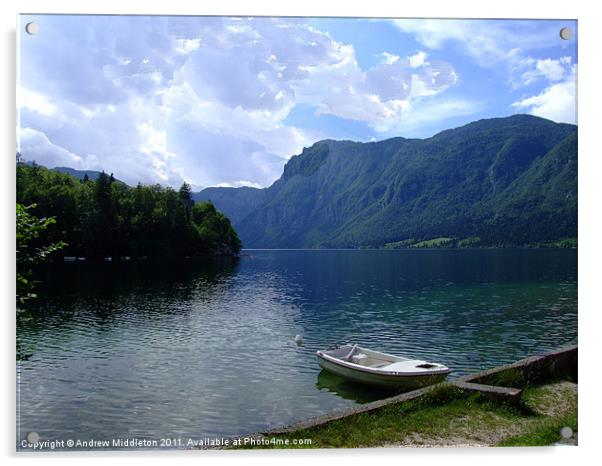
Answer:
(332, 416)
(560, 363)
(497, 394)
(554, 364)
(365, 408)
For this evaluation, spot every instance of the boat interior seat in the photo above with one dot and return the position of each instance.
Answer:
(359, 358)
(409, 365)
(380, 364)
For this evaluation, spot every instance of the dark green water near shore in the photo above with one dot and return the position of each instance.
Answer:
(195, 350)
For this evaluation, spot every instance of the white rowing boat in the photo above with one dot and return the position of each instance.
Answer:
(376, 368)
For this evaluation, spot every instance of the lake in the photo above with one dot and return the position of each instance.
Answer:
(193, 350)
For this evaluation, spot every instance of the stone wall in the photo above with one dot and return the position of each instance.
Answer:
(558, 364)
(503, 383)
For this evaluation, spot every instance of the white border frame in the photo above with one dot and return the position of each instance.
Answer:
(590, 162)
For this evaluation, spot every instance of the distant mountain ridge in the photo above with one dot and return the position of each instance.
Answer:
(80, 174)
(500, 181)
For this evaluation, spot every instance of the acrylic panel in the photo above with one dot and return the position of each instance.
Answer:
(231, 225)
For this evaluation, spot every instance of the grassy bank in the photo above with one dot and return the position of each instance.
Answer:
(476, 242)
(447, 416)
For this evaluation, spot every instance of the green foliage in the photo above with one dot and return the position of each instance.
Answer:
(470, 242)
(546, 432)
(562, 243)
(212, 225)
(102, 217)
(308, 162)
(506, 181)
(513, 377)
(83, 175)
(447, 416)
(30, 251)
(185, 195)
(432, 416)
(400, 244)
(434, 243)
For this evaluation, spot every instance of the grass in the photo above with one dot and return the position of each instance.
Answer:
(475, 242)
(556, 404)
(447, 416)
(546, 432)
(434, 243)
(513, 377)
(469, 242)
(560, 243)
(400, 244)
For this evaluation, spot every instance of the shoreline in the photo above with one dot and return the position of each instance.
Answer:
(483, 248)
(503, 386)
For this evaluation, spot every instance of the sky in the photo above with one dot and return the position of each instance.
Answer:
(215, 101)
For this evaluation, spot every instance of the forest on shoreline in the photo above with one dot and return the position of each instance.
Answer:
(103, 218)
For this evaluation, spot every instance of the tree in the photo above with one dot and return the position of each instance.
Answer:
(29, 230)
(186, 198)
(103, 217)
(215, 233)
(106, 218)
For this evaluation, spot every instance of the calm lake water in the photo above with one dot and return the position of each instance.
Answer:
(156, 351)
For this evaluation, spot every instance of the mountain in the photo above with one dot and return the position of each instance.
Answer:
(80, 174)
(501, 181)
(240, 201)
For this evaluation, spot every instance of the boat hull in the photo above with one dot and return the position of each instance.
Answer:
(398, 381)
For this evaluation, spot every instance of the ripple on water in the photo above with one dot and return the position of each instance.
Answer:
(212, 353)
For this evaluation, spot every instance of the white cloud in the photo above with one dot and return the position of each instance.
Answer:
(508, 45)
(487, 41)
(202, 99)
(428, 112)
(35, 102)
(552, 69)
(381, 96)
(556, 102)
(36, 146)
(549, 69)
(477, 39)
(417, 59)
(238, 184)
(388, 58)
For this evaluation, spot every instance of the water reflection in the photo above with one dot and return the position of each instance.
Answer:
(204, 349)
(352, 391)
